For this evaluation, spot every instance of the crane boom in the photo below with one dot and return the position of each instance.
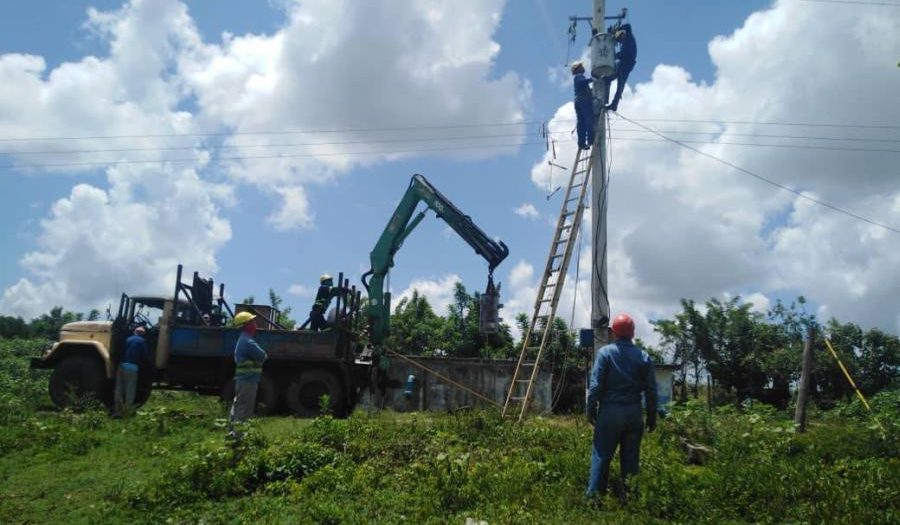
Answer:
(402, 223)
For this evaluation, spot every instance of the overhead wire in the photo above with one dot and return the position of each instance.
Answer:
(850, 2)
(270, 132)
(762, 123)
(423, 127)
(237, 147)
(259, 157)
(767, 180)
(283, 145)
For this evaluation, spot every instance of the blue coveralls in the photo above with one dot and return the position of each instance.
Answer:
(626, 58)
(317, 313)
(248, 362)
(136, 352)
(621, 373)
(584, 110)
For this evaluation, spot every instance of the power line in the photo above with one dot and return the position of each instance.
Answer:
(761, 123)
(293, 144)
(423, 127)
(766, 180)
(258, 157)
(36, 165)
(478, 137)
(268, 132)
(782, 146)
(850, 2)
(762, 135)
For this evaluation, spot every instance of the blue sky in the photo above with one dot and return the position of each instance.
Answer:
(348, 205)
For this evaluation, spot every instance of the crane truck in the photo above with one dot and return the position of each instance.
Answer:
(192, 341)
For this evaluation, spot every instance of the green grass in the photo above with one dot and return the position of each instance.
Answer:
(173, 464)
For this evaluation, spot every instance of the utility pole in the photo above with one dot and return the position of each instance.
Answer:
(599, 293)
(805, 377)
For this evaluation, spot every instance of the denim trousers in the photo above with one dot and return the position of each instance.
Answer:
(126, 388)
(584, 111)
(244, 401)
(618, 426)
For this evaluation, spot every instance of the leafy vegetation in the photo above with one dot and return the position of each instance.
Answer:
(417, 330)
(757, 356)
(172, 464)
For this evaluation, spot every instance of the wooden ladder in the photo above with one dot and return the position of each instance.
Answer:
(537, 338)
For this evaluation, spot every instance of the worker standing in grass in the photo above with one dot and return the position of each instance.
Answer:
(626, 58)
(136, 353)
(248, 362)
(621, 373)
(320, 306)
(584, 106)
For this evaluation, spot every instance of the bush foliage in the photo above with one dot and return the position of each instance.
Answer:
(173, 464)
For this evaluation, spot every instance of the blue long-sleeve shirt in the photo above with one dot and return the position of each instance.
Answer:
(621, 373)
(136, 350)
(248, 358)
(582, 88)
(627, 53)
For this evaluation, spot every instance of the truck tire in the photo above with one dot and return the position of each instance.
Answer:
(267, 399)
(76, 381)
(305, 392)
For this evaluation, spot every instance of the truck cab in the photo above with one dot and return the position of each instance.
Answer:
(85, 357)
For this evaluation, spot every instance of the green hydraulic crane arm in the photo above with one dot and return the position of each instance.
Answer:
(398, 229)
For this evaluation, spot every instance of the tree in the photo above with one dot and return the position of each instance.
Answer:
(49, 324)
(461, 334)
(749, 354)
(284, 312)
(13, 327)
(415, 328)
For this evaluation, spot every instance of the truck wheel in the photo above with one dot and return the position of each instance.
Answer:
(267, 401)
(76, 381)
(306, 391)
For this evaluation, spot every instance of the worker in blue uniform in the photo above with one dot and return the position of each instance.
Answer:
(584, 106)
(249, 358)
(136, 354)
(622, 372)
(326, 291)
(626, 58)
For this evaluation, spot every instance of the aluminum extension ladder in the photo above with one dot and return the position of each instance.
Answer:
(537, 338)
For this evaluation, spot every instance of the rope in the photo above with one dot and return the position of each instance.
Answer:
(853, 383)
(475, 393)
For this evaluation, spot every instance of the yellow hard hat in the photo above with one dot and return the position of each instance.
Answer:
(325, 277)
(243, 318)
(576, 66)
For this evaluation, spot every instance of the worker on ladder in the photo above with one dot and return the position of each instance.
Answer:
(584, 106)
(622, 372)
(626, 57)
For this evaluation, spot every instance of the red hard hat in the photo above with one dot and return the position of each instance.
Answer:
(623, 326)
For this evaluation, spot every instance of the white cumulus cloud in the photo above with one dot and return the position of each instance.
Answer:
(527, 211)
(684, 226)
(158, 87)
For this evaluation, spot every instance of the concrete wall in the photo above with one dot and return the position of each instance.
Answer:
(490, 377)
(665, 380)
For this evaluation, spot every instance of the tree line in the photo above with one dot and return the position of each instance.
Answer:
(744, 354)
(721, 347)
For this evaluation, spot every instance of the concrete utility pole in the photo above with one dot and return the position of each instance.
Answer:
(599, 291)
(806, 372)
